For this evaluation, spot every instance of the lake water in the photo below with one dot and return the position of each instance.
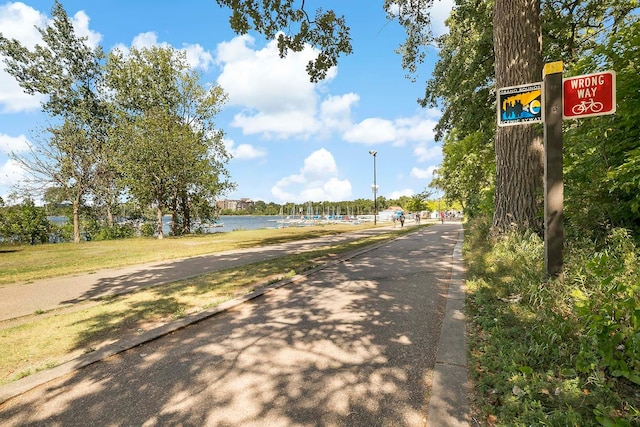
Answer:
(247, 222)
(227, 223)
(236, 222)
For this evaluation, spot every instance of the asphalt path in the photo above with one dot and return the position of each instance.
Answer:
(23, 299)
(353, 344)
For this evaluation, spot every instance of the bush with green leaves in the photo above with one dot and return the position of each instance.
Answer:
(148, 229)
(606, 289)
(116, 231)
(25, 223)
(555, 352)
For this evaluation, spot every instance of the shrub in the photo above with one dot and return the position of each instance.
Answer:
(117, 231)
(148, 229)
(607, 299)
(553, 352)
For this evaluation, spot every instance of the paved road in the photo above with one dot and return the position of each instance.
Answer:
(21, 299)
(356, 344)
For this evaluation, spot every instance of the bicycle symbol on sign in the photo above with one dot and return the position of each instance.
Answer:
(586, 106)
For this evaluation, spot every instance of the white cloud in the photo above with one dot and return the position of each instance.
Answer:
(18, 21)
(417, 128)
(243, 151)
(11, 173)
(424, 153)
(399, 193)
(440, 11)
(318, 180)
(335, 111)
(261, 80)
(197, 56)
(372, 131)
(141, 41)
(423, 173)
(10, 144)
(282, 124)
(275, 93)
(80, 23)
(147, 40)
(319, 165)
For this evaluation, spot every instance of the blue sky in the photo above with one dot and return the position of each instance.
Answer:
(291, 140)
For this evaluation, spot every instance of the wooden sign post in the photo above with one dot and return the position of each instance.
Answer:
(583, 96)
(553, 182)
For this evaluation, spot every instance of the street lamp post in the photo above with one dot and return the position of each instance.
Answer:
(375, 188)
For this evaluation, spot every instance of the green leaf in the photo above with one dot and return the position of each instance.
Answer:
(606, 422)
(634, 378)
(525, 370)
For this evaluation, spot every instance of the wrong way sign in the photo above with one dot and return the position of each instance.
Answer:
(589, 95)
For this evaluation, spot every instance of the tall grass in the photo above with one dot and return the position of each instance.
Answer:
(553, 352)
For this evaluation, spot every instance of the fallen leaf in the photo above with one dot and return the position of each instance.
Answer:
(517, 391)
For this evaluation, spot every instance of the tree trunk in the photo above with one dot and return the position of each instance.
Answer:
(76, 221)
(519, 167)
(109, 216)
(174, 216)
(159, 221)
(186, 215)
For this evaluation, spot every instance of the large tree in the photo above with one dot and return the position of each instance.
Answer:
(69, 73)
(518, 60)
(63, 158)
(587, 36)
(170, 154)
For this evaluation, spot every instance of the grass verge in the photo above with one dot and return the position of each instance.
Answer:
(43, 342)
(552, 352)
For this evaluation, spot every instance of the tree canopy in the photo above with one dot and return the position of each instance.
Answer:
(169, 151)
(139, 125)
(70, 74)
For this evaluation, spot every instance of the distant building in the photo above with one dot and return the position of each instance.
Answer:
(234, 205)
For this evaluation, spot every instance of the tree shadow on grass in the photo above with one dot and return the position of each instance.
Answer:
(171, 271)
(9, 250)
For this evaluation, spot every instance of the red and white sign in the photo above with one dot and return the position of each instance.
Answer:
(589, 95)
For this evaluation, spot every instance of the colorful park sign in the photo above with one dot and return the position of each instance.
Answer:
(589, 95)
(519, 105)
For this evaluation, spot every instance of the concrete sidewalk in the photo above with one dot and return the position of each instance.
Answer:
(380, 281)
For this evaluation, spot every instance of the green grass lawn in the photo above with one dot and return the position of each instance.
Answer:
(27, 263)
